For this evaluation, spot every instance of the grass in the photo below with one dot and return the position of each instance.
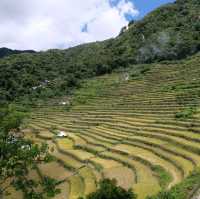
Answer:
(144, 175)
(68, 160)
(46, 135)
(139, 131)
(78, 140)
(186, 189)
(162, 149)
(65, 187)
(65, 143)
(14, 194)
(124, 176)
(181, 142)
(83, 155)
(106, 163)
(186, 113)
(50, 168)
(164, 177)
(167, 168)
(89, 179)
(60, 174)
(77, 187)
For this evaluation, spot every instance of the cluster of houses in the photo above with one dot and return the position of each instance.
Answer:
(42, 85)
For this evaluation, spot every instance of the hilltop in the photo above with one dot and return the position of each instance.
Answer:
(170, 32)
(4, 52)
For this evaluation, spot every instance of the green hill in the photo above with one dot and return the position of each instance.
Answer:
(4, 52)
(170, 32)
(140, 126)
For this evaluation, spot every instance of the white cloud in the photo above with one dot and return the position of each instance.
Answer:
(44, 24)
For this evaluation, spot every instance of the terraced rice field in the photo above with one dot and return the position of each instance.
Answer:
(128, 130)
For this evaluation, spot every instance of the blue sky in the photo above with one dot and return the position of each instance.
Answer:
(46, 24)
(146, 6)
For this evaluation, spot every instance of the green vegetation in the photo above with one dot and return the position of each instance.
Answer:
(186, 113)
(183, 190)
(170, 32)
(165, 177)
(19, 157)
(108, 189)
(7, 52)
(139, 71)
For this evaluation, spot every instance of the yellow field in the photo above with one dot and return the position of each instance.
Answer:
(123, 129)
(124, 176)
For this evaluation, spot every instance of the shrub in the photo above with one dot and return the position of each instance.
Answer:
(108, 189)
(20, 157)
(186, 113)
(164, 177)
(184, 190)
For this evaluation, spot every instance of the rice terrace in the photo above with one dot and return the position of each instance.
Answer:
(143, 131)
(125, 109)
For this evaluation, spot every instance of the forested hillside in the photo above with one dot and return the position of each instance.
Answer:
(170, 32)
(4, 52)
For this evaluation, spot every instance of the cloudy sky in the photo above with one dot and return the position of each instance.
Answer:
(44, 24)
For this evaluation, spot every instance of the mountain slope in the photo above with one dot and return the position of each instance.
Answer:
(4, 52)
(140, 126)
(169, 32)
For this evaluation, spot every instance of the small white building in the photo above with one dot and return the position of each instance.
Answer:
(64, 103)
(35, 87)
(126, 76)
(25, 147)
(46, 81)
(62, 134)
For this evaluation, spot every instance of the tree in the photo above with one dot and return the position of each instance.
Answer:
(108, 189)
(19, 157)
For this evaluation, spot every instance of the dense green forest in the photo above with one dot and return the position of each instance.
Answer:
(170, 32)
(4, 52)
